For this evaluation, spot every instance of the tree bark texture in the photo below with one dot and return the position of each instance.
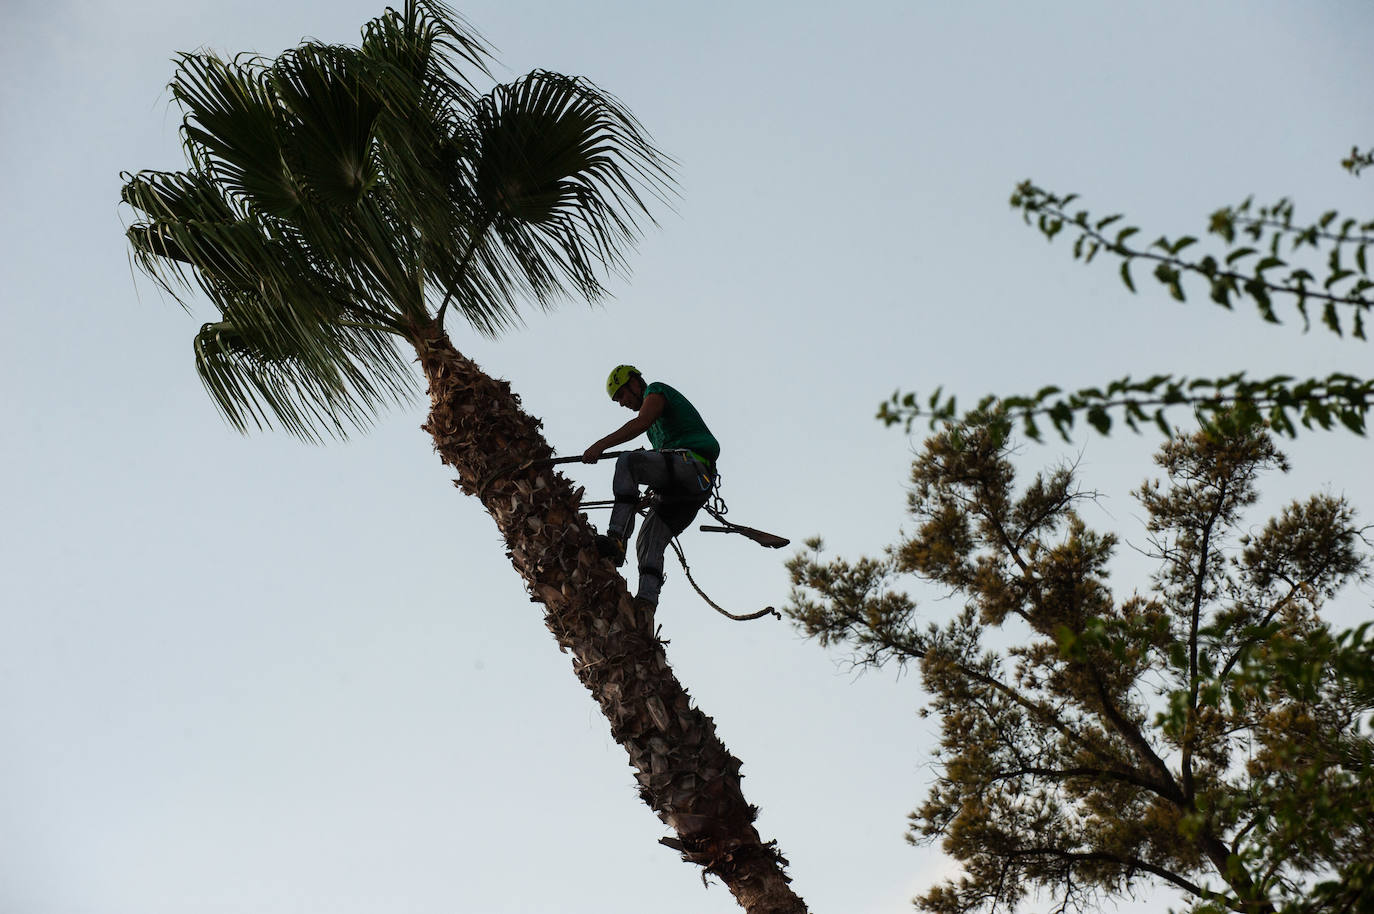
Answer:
(685, 773)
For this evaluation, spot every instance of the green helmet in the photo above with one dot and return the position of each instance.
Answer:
(619, 377)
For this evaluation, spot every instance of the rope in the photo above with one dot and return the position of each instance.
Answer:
(682, 557)
(715, 505)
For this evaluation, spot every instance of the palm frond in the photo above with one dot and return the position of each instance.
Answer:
(328, 382)
(425, 101)
(421, 43)
(177, 203)
(233, 130)
(559, 171)
(411, 59)
(331, 111)
(295, 322)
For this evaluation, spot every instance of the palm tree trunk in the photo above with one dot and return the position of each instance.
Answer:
(685, 773)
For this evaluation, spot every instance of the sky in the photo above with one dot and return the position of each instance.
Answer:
(241, 673)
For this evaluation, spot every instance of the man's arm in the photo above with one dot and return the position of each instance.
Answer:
(649, 412)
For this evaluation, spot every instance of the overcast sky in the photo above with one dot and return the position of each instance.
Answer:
(242, 674)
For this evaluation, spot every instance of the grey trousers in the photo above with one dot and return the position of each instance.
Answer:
(682, 486)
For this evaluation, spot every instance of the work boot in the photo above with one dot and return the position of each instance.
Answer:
(611, 547)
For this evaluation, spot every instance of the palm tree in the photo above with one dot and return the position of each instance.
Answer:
(332, 197)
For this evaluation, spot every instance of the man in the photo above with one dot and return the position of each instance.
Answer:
(680, 471)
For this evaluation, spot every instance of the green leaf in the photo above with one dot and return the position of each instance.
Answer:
(1337, 277)
(1223, 223)
(1319, 412)
(1126, 275)
(1162, 424)
(1331, 319)
(1170, 278)
(1221, 292)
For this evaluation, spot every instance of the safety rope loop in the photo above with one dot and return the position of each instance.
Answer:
(682, 557)
(716, 505)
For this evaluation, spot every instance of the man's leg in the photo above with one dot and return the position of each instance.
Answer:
(681, 498)
(650, 546)
(650, 468)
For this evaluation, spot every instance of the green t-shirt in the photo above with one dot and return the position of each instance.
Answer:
(680, 426)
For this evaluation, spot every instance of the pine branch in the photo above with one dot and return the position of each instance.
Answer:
(1133, 863)
(1195, 609)
(1110, 774)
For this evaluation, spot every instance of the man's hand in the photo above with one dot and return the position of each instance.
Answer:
(593, 453)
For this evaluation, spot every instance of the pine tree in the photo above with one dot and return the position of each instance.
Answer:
(1206, 732)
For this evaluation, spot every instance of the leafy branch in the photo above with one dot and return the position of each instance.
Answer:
(1266, 234)
(1314, 403)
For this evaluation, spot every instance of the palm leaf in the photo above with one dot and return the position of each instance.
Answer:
(332, 111)
(291, 320)
(557, 167)
(325, 384)
(425, 101)
(233, 129)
